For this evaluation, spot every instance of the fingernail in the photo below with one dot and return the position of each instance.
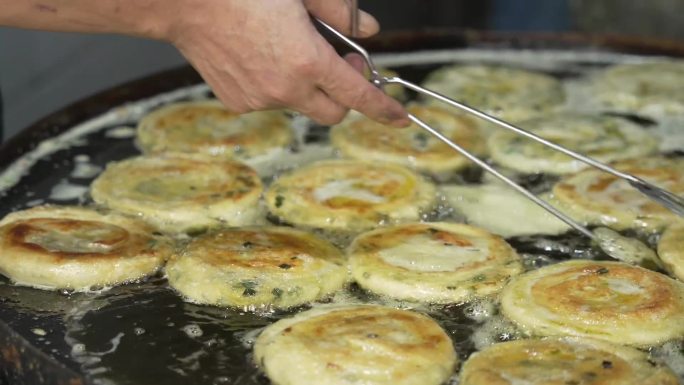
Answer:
(397, 114)
(401, 123)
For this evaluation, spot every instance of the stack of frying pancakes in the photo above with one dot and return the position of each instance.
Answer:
(252, 241)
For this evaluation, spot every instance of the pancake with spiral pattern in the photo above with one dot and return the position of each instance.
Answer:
(432, 262)
(567, 360)
(603, 138)
(511, 94)
(77, 248)
(207, 127)
(611, 301)
(257, 267)
(650, 89)
(181, 193)
(360, 344)
(349, 195)
(597, 197)
(363, 139)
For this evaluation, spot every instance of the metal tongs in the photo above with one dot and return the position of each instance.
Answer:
(664, 197)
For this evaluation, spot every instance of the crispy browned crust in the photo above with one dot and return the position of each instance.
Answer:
(74, 247)
(275, 267)
(612, 301)
(584, 291)
(178, 193)
(231, 180)
(403, 195)
(597, 197)
(24, 236)
(482, 274)
(372, 344)
(263, 249)
(569, 360)
(187, 128)
(364, 139)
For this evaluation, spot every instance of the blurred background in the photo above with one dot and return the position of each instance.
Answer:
(41, 72)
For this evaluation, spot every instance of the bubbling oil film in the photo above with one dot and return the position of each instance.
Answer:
(144, 333)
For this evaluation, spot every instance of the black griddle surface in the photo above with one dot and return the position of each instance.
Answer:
(143, 333)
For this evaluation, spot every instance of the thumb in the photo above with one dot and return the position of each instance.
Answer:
(337, 13)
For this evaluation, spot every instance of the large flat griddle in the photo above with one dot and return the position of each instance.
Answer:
(144, 334)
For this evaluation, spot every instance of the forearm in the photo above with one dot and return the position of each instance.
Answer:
(146, 18)
(255, 54)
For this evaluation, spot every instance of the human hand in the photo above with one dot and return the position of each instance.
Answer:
(262, 54)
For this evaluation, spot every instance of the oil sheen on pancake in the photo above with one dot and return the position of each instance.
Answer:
(596, 197)
(364, 139)
(206, 127)
(567, 360)
(611, 301)
(351, 195)
(181, 193)
(432, 262)
(502, 210)
(671, 250)
(603, 138)
(257, 267)
(362, 344)
(77, 248)
(509, 93)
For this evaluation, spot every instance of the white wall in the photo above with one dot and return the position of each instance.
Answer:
(41, 72)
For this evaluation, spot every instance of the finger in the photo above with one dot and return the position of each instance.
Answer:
(319, 107)
(337, 13)
(357, 62)
(349, 88)
(222, 84)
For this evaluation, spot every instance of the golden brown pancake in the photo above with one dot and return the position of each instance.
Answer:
(651, 89)
(181, 193)
(256, 267)
(352, 195)
(597, 197)
(206, 127)
(432, 262)
(359, 344)
(364, 139)
(603, 138)
(77, 248)
(568, 360)
(612, 301)
(509, 93)
(671, 250)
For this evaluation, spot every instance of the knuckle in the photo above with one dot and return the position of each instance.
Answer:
(306, 65)
(257, 102)
(362, 98)
(282, 94)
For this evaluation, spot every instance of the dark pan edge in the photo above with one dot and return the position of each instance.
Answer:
(12, 343)
(22, 363)
(90, 107)
(395, 41)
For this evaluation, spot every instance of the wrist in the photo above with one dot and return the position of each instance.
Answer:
(154, 19)
(178, 18)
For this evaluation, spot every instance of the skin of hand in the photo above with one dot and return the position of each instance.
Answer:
(255, 54)
(262, 54)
